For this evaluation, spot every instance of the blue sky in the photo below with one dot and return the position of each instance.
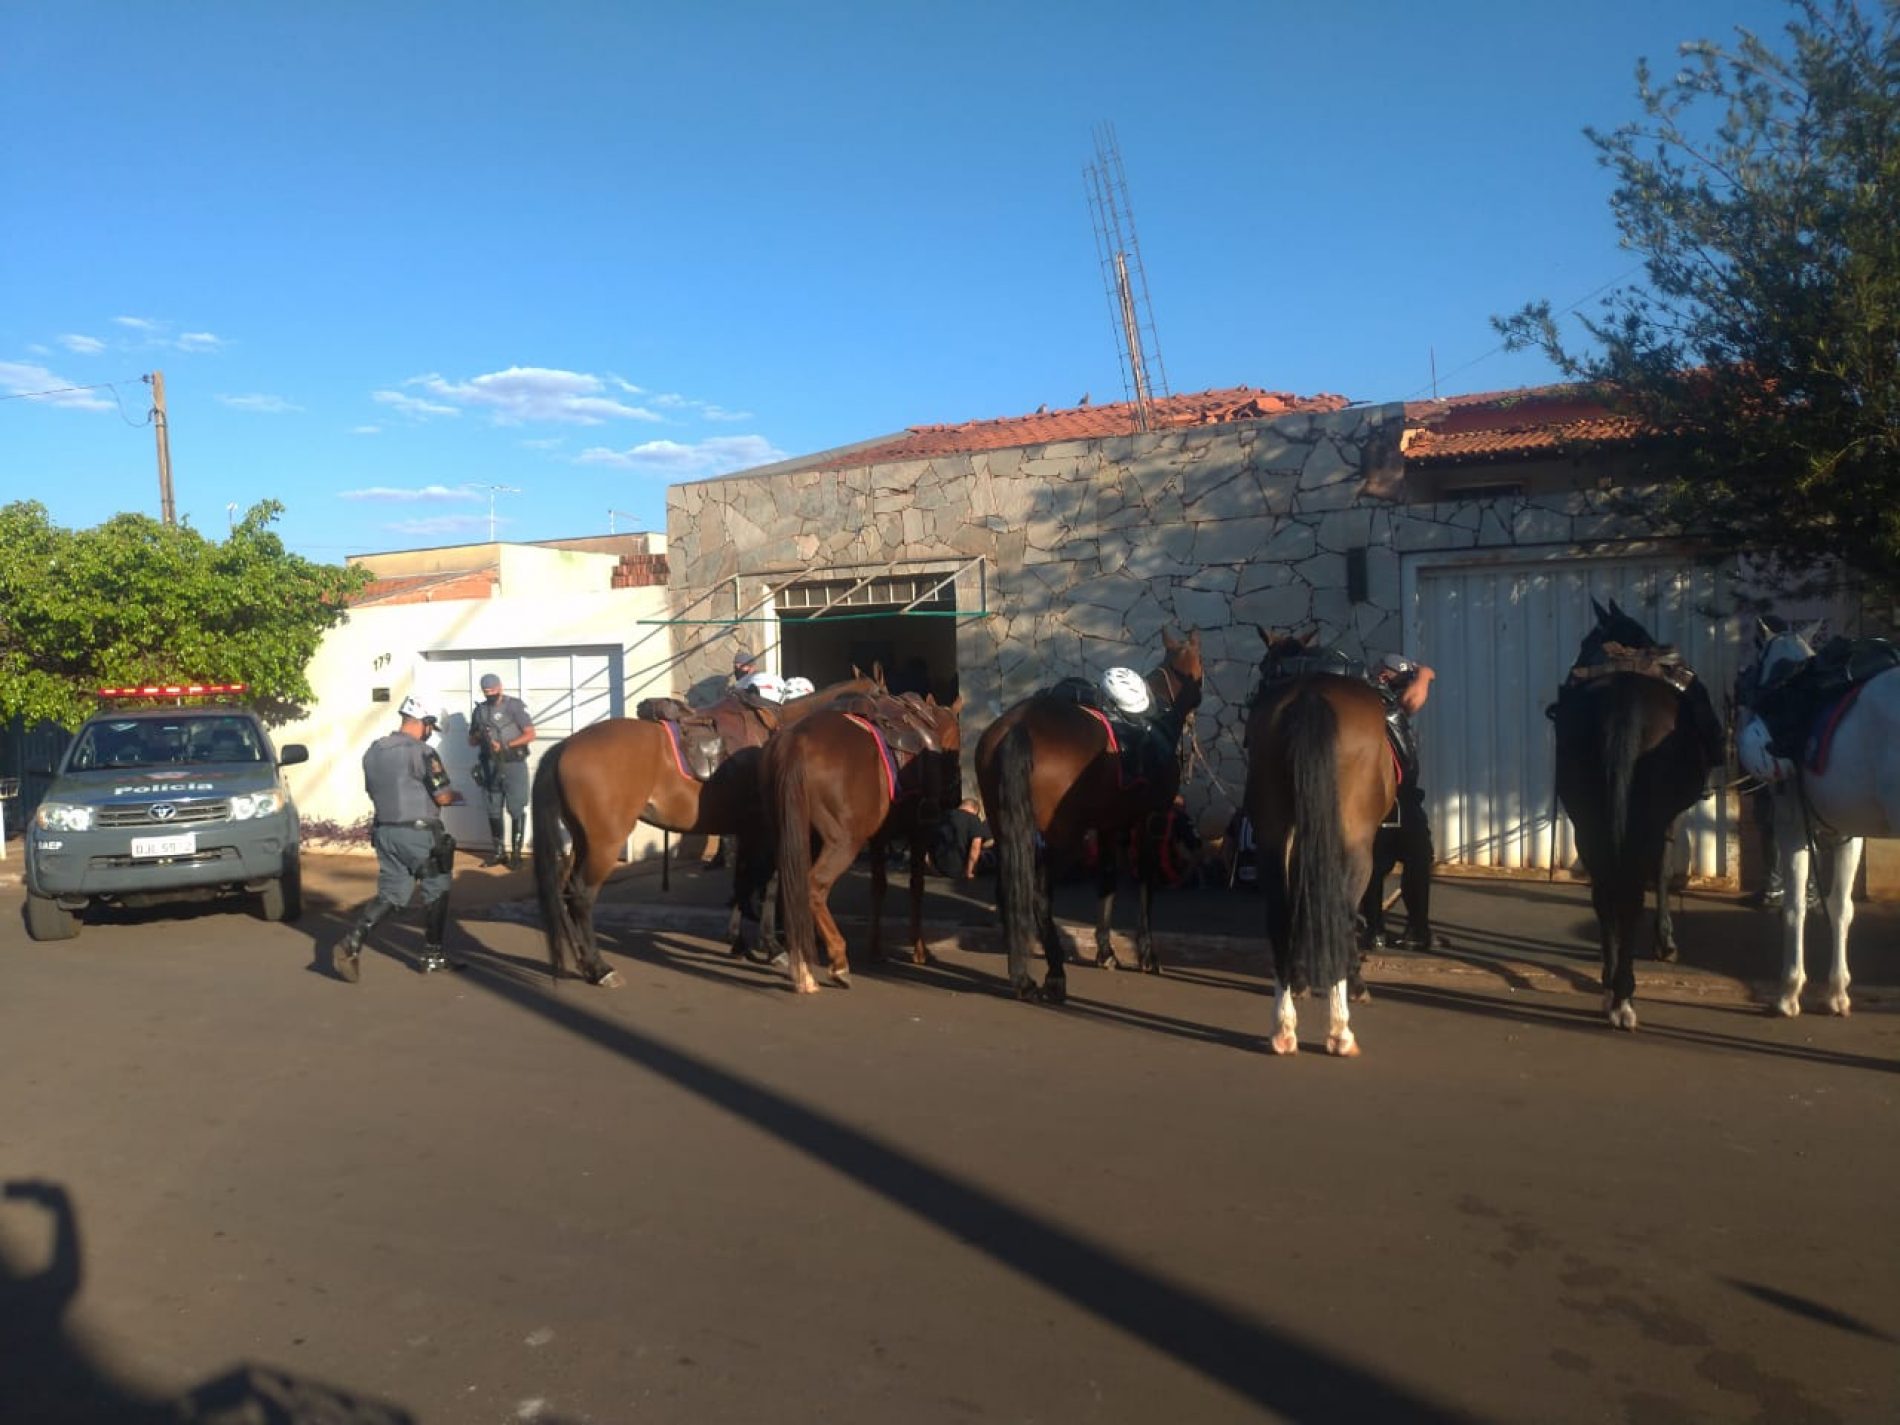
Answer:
(388, 255)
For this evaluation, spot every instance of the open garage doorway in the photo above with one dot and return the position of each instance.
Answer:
(828, 626)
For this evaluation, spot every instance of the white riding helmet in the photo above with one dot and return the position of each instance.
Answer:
(413, 706)
(1127, 690)
(764, 685)
(798, 688)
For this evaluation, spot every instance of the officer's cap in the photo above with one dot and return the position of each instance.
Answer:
(742, 659)
(490, 682)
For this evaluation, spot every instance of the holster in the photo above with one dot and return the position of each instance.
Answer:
(443, 857)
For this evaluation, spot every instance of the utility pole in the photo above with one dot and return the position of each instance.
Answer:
(494, 490)
(166, 509)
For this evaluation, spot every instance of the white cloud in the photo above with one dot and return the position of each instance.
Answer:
(412, 405)
(366, 430)
(553, 442)
(433, 494)
(536, 393)
(25, 378)
(82, 345)
(444, 524)
(262, 404)
(720, 413)
(157, 333)
(717, 455)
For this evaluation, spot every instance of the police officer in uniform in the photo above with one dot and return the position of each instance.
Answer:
(501, 729)
(1405, 686)
(408, 787)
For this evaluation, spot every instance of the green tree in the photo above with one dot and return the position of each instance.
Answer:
(1762, 188)
(136, 601)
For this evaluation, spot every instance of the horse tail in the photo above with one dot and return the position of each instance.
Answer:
(793, 813)
(1321, 896)
(1016, 841)
(1621, 747)
(551, 861)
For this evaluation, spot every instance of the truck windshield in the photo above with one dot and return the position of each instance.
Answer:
(185, 741)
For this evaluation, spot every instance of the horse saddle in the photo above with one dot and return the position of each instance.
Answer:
(708, 736)
(1400, 732)
(903, 720)
(1795, 705)
(1662, 662)
(1284, 668)
(1139, 742)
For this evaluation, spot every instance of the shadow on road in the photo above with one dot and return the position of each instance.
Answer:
(1812, 1310)
(49, 1377)
(1257, 1361)
(1590, 1021)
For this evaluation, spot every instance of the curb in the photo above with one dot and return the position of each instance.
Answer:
(1200, 951)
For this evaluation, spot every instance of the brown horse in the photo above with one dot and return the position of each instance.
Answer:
(597, 784)
(864, 770)
(1048, 768)
(1320, 778)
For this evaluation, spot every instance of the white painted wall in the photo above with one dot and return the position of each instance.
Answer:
(401, 646)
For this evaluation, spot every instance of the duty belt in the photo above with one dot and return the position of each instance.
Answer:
(420, 824)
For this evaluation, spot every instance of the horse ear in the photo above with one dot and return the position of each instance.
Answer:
(957, 706)
(1811, 635)
(877, 671)
(1603, 614)
(1168, 641)
(1265, 637)
(1194, 638)
(1616, 610)
(1763, 631)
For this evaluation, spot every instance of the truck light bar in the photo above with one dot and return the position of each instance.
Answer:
(171, 690)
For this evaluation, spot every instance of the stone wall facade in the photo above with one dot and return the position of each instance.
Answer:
(1089, 549)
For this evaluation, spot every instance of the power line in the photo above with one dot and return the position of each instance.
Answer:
(1433, 384)
(112, 386)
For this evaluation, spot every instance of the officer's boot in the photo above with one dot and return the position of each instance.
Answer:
(521, 830)
(496, 854)
(345, 959)
(435, 925)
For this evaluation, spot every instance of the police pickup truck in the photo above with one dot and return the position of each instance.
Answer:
(154, 804)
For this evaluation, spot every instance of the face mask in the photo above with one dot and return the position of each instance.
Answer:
(493, 697)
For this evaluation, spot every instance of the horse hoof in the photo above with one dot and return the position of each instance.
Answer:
(1285, 1042)
(1839, 1004)
(609, 981)
(921, 956)
(1788, 1005)
(1055, 990)
(1356, 991)
(1342, 1046)
(1623, 1016)
(1026, 990)
(1107, 961)
(1151, 966)
(804, 985)
(840, 978)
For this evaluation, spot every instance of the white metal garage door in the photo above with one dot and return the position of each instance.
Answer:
(1501, 636)
(565, 689)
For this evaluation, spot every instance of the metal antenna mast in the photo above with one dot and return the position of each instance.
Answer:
(1144, 377)
(494, 490)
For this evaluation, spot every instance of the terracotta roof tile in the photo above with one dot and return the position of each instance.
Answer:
(1043, 427)
(430, 588)
(1493, 425)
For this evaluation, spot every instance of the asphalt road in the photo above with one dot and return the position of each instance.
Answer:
(474, 1197)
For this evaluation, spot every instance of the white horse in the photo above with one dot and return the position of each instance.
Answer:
(1858, 795)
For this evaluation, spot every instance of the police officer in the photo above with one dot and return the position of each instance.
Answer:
(501, 729)
(1405, 685)
(744, 665)
(408, 787)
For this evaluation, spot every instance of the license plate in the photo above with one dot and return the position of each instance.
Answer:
(183, 844)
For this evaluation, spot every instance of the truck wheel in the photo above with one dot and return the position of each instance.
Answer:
(46, 919)
(282, 899)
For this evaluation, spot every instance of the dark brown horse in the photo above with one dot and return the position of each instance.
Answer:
(861, 771)
(596, 785)
(1320, 778)
(1048, 769)
(1636, 737)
